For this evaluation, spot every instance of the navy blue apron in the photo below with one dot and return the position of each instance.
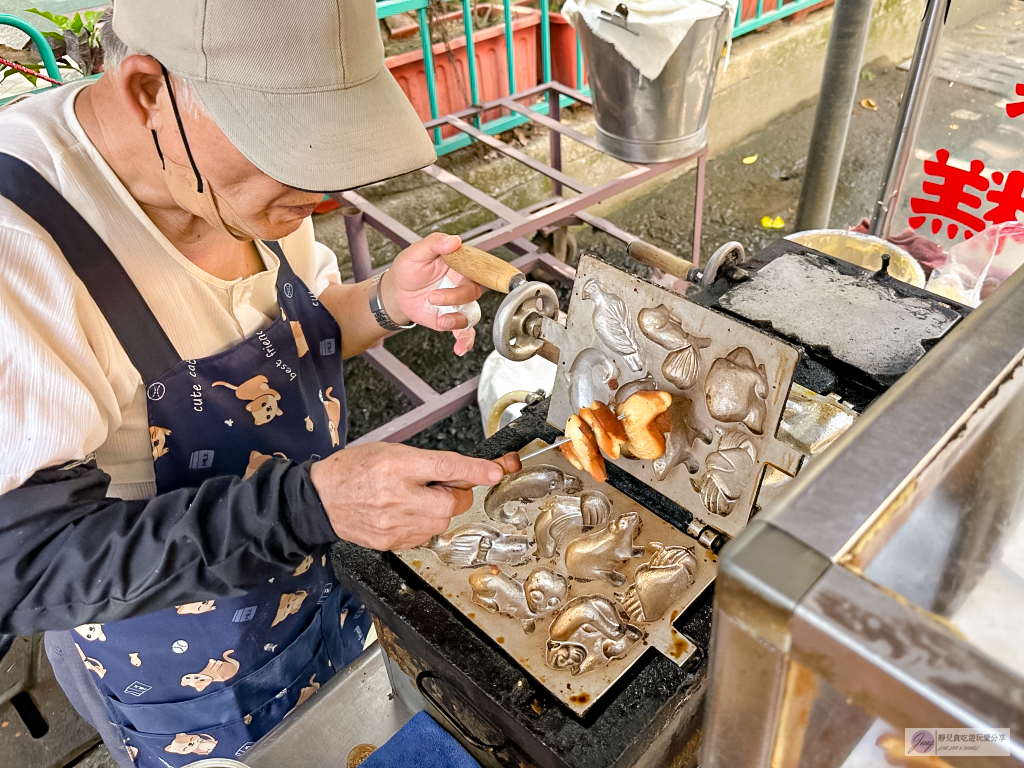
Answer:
(209, 678)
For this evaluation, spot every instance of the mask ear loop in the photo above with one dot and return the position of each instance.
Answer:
(181, 131)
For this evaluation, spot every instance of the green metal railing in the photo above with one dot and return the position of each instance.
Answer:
(49, 62)
(762, 18)
(444, 145)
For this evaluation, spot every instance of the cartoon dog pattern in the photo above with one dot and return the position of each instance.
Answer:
(304, 566)
(158, 437)
(333, 407)
(202, 606)
(263, 401)
(304, 694)
(192, 744)
(300, 338)
(91, 632)
(288, 605)
(90, 663)
(216, 671)
(257, 460)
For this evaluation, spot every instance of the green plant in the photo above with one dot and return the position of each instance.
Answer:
(76, 46)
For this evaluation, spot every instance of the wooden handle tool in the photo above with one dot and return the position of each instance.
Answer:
(485, 269)
(669, 263)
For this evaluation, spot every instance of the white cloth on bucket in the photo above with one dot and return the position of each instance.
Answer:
(660, 26)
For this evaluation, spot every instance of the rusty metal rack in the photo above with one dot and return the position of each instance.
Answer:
(510, 229)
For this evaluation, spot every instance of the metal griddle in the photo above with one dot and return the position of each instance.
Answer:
(725, 335)
(578, 692)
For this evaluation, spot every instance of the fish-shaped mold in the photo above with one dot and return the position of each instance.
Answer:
(478, 544)
(682, 365)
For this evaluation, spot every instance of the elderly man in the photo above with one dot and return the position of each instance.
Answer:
(172, 428)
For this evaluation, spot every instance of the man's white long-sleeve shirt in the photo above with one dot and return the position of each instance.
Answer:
(68, 388)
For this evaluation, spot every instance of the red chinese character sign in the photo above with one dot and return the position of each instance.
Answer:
(954, 201)
(1008, 200)
(1016, 108)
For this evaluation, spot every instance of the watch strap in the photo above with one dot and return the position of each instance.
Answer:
(380, 314)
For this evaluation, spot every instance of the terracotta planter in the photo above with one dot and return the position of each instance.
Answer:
(491, 65)
(563, 51)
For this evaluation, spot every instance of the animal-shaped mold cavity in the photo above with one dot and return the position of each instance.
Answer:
(600, 553)
(736, 389)
(506, 502)
(613, 324)
(730, 471)
(542, 593)
(478, 544)
(682, 365)
(562, 518)
(660, 583)
(587, 633)
(686, 429)
(592, 376)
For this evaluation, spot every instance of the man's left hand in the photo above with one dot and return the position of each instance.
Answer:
(409, 294)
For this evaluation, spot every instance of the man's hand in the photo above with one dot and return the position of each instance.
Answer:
(389, 496)
(409, 286)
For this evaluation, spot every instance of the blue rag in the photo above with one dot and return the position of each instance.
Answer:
(422, 743)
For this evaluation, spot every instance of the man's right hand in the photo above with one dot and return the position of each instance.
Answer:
(391, 496)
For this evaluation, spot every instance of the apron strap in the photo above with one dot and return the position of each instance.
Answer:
(120, 302)
(285, 274)
(131, 319)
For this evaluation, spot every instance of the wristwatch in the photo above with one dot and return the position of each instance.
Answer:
(377, 308)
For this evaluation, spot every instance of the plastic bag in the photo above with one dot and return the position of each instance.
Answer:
(976, 267)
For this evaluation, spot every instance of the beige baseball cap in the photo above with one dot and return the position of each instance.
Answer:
(300, 87)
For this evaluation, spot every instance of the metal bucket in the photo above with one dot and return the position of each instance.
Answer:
(654, 121)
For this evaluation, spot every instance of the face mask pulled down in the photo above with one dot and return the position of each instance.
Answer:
(193, 192)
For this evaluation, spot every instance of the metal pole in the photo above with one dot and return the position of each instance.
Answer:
(909, 119)
(850, 23)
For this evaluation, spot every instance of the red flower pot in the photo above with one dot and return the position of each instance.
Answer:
(563, 51)
(453, 93)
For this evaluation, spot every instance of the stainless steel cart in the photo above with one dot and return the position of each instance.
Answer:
(885, 591)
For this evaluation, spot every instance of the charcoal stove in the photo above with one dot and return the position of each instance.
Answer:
(440, 659)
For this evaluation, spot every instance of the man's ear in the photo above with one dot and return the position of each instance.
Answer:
(141, 84)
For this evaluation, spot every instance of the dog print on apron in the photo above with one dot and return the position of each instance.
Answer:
(209, 678)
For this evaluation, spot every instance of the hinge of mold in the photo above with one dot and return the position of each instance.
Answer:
(708, 537)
